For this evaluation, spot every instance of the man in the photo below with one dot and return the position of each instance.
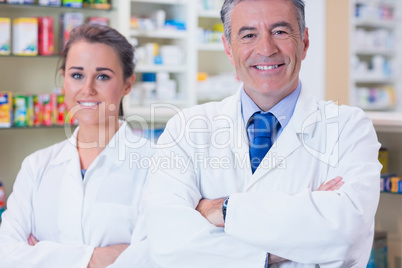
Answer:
(270, 176)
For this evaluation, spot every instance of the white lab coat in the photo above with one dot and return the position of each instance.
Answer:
(276, 209)
(71, 216)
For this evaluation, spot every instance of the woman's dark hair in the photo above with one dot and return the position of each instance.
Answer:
(95, 33)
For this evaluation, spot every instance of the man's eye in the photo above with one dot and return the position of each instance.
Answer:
(249, 36)
(76, 76)
(103, 77)
(279, 32)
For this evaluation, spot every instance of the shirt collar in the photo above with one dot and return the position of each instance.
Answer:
(283, 110)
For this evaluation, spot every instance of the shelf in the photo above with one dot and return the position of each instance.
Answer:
(374, 80)
(165, 2)
(162, 34)
(51, 7)
(386, 121)
(160, 68)
(39, 127)
(391, 3)
(372, 23)
(373, 52)
(30, 56)
(209, 14)
(211, 47)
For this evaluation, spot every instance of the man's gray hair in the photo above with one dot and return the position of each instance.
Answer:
(227, 11)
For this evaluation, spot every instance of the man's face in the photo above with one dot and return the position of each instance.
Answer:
(266, 47)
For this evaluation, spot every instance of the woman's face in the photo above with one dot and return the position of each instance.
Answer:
(94, 83)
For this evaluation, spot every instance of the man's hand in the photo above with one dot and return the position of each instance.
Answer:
(104, 256)
(32, 241)
(212, 210)
(332, 185)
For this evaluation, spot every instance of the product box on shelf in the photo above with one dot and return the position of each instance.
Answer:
(6, 109)
(378, 257)
(21, 1)
(50, 2)
(69, 21)
(72, 3)
(98, 20)
(20, 110)
(25, 36)
(45, 36)
(5, 36)
(100, 4)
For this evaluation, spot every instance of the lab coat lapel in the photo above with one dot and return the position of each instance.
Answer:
(289, 140)
(71, 197)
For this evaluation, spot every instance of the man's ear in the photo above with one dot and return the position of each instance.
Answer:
(306, 43)
(228, 49)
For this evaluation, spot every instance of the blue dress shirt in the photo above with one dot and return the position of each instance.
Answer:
(283, 111)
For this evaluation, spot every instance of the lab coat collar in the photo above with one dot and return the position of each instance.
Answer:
(111, 150)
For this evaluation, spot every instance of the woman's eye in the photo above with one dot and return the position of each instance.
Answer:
(103, 77)
(76, 76)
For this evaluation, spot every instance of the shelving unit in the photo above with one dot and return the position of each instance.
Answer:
(33, 74)
(374, 37)
(208, 52)
(183, 73)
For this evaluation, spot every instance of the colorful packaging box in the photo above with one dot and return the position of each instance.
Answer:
(20, 110)
(38, 110)
(50, 2)
(25, 36)
(100, 4)
(45, 36)
(383, 158)
(98, 20)
(72, 3)
(69, 21)
(6, 109)
(5, 36)
(61, 111)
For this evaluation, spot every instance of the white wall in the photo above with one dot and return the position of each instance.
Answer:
(313, 67)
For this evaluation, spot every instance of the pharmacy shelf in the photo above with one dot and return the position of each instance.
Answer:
(390, 3)
(165, 2)
(373, 52)
(161, 34)
(374, 80)
(209, 14)
(386, 121)
(375, 23)
(36, 6)
(211, 47)
(161, 68)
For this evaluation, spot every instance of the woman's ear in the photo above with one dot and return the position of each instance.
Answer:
(129, 84)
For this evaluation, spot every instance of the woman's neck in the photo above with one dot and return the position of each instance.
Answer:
(92, 140)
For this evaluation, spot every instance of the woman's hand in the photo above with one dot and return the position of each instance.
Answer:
(104, 256)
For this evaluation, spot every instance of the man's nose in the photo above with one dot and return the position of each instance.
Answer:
(266, 45)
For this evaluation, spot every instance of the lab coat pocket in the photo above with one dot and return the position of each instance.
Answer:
(113, 223)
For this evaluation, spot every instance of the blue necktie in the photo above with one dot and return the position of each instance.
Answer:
(264, 127)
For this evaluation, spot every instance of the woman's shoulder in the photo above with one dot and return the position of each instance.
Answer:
(48, 153)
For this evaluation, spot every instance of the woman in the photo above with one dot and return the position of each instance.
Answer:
(76, 203)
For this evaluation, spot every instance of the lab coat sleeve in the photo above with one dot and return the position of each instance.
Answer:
(317, 227)
(17, 225)
(137, 254)
(178, 235)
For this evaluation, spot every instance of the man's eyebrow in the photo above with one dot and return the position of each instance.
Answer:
(282, 24)
(99, 69)
(245, 28)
